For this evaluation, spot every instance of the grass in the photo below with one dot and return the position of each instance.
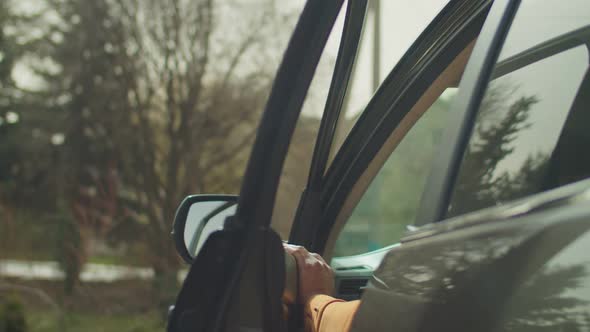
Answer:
(108, 260)
(121, 306)
(124, 305)
(89, 322)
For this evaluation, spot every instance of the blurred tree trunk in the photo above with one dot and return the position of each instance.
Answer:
(165, 275)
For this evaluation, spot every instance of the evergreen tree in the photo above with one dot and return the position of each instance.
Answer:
(545, 302)
(12, 315)
(480, 184)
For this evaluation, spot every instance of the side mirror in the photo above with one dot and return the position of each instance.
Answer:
(200, 215)
(196, 218)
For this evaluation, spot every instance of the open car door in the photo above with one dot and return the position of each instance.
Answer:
(236, 281)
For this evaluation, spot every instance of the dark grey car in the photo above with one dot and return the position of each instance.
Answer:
(495, 238)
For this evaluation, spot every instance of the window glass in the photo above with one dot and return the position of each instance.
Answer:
(529, 134)
(391, 201)
(298, 160)
(199, 216)
(398, 24)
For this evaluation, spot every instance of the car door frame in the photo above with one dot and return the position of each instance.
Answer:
(445, 168)
(258, 280)
(308, 207)
(379, 118)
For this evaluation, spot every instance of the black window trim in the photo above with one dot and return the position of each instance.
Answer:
(347, 53)
(308, 209)
(445, 168)
(546, 49)
(294, 76)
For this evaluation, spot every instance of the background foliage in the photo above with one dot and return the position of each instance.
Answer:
(111, 111)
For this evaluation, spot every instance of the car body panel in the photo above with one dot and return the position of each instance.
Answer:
(466, 275)
(308, 209)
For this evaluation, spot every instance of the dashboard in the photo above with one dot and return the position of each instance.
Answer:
(351, 273)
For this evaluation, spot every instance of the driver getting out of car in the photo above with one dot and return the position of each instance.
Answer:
(323, 313)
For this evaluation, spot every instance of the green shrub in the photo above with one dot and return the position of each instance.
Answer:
(12, 315)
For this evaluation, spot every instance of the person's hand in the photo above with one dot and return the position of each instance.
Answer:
(315, 275)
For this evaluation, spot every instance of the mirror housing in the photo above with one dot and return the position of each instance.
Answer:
(189, 230)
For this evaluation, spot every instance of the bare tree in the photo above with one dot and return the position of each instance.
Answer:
(150, 101)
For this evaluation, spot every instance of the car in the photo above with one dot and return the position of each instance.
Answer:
(474, 217)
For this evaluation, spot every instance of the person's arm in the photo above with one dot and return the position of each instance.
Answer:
(323, 313)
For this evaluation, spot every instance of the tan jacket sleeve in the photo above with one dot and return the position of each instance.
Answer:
(324, 313)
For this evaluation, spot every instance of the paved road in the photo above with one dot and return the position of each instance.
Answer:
(41, 270)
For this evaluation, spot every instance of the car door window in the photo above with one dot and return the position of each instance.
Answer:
(398, 24)
(390, 203)
(531, 130)
(298, 159)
